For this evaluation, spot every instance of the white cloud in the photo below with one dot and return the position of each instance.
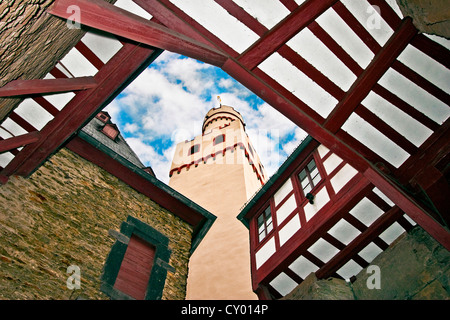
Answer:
(131, 127)
(166, 104)
(225, 83)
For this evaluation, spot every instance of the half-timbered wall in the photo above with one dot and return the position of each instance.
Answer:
(316, 237)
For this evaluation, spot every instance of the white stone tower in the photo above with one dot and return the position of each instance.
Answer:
(220, 171)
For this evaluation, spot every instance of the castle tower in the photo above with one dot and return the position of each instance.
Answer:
(220, 171)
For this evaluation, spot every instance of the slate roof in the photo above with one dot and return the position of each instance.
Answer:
(119, 145)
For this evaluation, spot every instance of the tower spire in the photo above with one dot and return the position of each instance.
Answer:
(220, 101)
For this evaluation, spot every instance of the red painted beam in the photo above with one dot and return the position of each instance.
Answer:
(283, 32)
(432, 49)
(170, 19)
(359, 243)
(113, 75)
(366, 81)
(104, 16)
(318, 226)
(89, 54)
(19, 141)
(46, 86)
(412, 209)
(21, 122)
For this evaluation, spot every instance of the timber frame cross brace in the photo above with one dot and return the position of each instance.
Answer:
(175, 31)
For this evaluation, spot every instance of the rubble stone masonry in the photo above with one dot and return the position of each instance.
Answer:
(61, 215)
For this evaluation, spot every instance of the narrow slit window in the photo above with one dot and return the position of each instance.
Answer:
(265, 224)
(309, 177)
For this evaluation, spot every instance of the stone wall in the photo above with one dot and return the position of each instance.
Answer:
(31, 43)
(431, 17)
(414, 267)
(60, 216)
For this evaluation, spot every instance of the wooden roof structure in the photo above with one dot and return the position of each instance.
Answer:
(367, 100)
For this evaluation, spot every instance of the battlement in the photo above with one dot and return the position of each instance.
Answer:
(218, 115)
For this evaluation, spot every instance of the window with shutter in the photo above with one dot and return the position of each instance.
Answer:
(137, 265)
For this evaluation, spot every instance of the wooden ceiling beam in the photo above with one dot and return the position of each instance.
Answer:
(371, 75)
(104, 16)
(120, 69)
(46, 86)
(172, 17)
(19, 141)
(359, 243)
(283, 32)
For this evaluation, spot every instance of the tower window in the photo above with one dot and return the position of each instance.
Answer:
(309, 177)
(265, 224)
(219, 139)
(195, 148)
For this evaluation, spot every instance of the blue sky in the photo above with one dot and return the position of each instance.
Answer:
(166, 104)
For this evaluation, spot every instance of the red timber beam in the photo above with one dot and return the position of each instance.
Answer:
(283, 32)
(125, 65)
(46, 86)
(104, 16)
(298, 113)
(305, 237)
(359, 243)
(19, 141)
(371, 75)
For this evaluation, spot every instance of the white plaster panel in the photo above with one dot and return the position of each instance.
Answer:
(283, 284)
(289, 229)
(383, 196)
(283, 191)
(303, 267)
(331, 163)
(6, 158)
(366, 211)
(320, 199)
(286, 209)
(265, 252)
(341, 178)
